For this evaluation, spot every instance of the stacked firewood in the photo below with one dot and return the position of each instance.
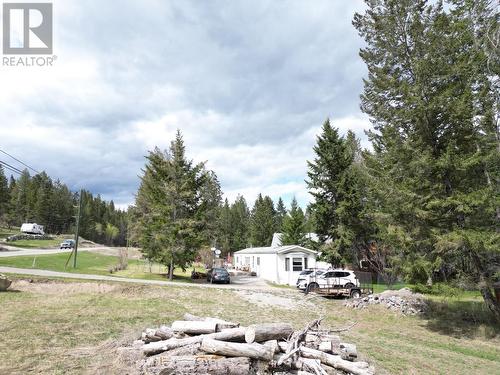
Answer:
(213, 346)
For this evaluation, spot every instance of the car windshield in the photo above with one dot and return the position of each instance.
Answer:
(220, 271)
(306, 272)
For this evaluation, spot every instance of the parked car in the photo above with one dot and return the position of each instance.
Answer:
(218, 275)
(67, 244)
(331, 279)
(306, 275)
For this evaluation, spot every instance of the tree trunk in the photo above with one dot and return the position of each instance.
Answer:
(489, 298)
(221, 324)
(187, 350)
(202, 364)
(485, 287)
(232, 334)
(268, 331)
(194, 327)
(356, 368)
(233, 349)
(171, 267)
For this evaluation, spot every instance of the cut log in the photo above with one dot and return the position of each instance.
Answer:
(221, 324)
(356, 368)
(204, 364)
(268, 331)
(329, 370)
(233, 334)
(313, 366)
(348, 351)
(188, 350)
(232, 349)
(283, 345)
(325, 346)
(162, 333)
(273, 344)
(192, 327)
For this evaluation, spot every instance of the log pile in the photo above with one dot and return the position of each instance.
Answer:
(197, 345)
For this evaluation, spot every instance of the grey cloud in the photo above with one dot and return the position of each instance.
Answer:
(270, 70)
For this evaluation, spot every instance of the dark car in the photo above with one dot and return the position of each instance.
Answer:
(218, 275)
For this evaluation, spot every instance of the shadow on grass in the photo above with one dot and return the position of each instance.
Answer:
(461, 318)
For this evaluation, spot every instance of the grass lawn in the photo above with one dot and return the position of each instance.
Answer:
(5, 232)
(35, 244)
(61, 327)
(96, 264)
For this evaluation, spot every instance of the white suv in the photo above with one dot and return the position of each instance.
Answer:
(306, 275)
(331, 279)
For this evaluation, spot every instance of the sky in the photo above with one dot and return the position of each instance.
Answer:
(248, 83)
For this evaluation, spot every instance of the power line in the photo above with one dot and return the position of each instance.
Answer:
(26, 165)
(10, 167)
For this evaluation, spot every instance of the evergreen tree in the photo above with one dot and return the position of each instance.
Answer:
(4, 195)
(240, 224)
(280, 215)
(326, 184)
(211, 197)
(170, 208)
(262, 221)
(436, 150)
(294, 226)
(225, 228)
(20, 199)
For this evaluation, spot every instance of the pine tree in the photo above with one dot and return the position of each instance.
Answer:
(225, 228)
(4, 195)
(280, 215)
(262, 221)
(326, 178)
(435, 138)
(169, 207)
(240, 224)
(294, 226)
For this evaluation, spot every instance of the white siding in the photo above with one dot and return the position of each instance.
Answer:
(271, 267)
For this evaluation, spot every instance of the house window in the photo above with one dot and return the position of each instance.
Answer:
(305, 262)
(297, 264)
(287, 264)
(258, 261)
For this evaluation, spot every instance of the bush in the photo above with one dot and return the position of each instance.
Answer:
(438, 289)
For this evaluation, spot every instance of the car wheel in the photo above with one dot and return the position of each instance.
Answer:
(311, 287)
(349, 285)
(355, 294)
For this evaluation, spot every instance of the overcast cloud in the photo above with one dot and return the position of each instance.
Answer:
(248, 83)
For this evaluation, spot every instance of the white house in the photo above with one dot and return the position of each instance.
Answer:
(279, 264)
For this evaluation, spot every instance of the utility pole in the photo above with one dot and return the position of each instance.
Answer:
(77, 226)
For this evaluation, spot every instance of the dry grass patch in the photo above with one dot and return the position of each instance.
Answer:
(62, 327)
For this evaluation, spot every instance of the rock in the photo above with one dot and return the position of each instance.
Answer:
(4, 283)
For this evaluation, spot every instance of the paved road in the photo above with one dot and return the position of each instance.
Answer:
(15, 252)
(238, 282)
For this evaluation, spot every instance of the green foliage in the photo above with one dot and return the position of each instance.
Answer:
(294, 226)
(281, 213)
(338, 183)
(262, 222)
(52, 204)
(436, 161)
(175, 206)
